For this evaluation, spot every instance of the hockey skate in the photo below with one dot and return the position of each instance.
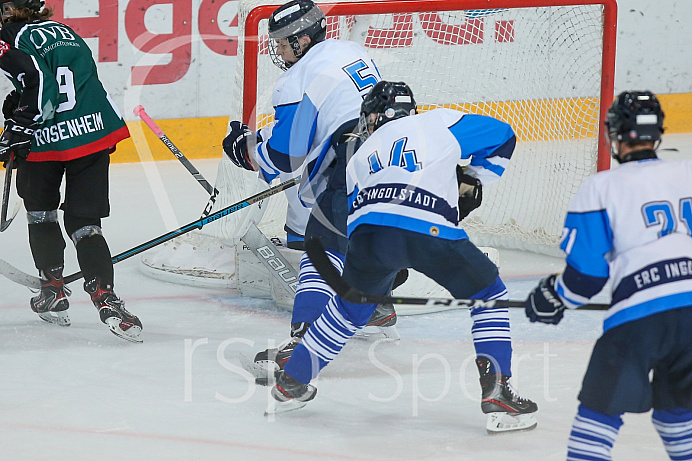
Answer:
(289, 394)
(269, 362)
(112, 311)
(381, 324)
(51, 304)
(506, 410)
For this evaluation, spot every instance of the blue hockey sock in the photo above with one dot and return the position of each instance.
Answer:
(675, 429)
(313, 293)
(592, 436)
(491, 332)
(323, 341)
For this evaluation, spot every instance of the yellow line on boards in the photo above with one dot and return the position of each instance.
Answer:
(202, 137)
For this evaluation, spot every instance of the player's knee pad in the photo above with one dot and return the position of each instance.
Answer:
(41, 217)
(85, 232)
(80, 228)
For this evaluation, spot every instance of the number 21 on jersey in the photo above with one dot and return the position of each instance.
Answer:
(662, 214)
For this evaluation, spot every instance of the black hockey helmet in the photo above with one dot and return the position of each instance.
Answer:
(293, 20)
(6, 7)
(387, 101)
(635, 116)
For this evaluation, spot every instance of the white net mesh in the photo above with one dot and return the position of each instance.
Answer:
(537, 68)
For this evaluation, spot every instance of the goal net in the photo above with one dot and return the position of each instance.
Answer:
(543, 66)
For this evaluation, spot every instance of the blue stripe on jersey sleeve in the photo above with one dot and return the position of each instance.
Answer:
(352, 198)
(268, 177)
(303, 129)
(588, 238)
(278, 145)
(584, 285)
(482, 136)
(292, 134)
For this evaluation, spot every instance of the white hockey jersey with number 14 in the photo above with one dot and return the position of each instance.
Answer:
(404, 174)
(632, 224)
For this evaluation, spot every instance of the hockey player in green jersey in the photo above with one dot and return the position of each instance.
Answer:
(60, 121)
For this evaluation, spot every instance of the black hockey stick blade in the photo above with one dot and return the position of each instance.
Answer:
(25, 279)
(320, 260)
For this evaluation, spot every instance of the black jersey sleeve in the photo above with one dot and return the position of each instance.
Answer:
(20, 67)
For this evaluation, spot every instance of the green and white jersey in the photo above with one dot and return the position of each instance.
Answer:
(62, 96)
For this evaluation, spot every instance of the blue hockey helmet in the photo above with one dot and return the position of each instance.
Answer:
(385, 102)
(293, 20)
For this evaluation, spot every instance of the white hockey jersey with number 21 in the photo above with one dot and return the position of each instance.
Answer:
(404, 174)
(632, 224)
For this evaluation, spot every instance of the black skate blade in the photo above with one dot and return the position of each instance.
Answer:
(59, 318)
(262, 375)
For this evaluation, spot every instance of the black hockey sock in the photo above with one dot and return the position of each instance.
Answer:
(94, 258)
(47, 244)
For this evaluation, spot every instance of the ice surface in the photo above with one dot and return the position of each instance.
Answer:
(80, 393)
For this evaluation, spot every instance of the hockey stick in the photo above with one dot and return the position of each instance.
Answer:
(4, 222)
(320, 260)
(22, 278)
(254, 239)
(213, 192)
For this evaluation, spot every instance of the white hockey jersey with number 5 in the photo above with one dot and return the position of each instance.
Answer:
(312, 99)
(404, 174)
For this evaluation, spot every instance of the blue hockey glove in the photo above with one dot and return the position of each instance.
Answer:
(15, 138)
(235, 145)
(543, 304)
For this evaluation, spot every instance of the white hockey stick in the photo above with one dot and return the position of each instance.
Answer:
(271, 258)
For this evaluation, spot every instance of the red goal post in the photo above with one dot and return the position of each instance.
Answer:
(262, 12)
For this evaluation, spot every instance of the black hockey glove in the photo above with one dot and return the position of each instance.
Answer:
(235, 145)
(11, 103)
(470, 192)
(544, 304)
(15, 138)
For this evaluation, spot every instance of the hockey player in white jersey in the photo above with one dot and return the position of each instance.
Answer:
(632, 225)
(406, 196)
(317, 103)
